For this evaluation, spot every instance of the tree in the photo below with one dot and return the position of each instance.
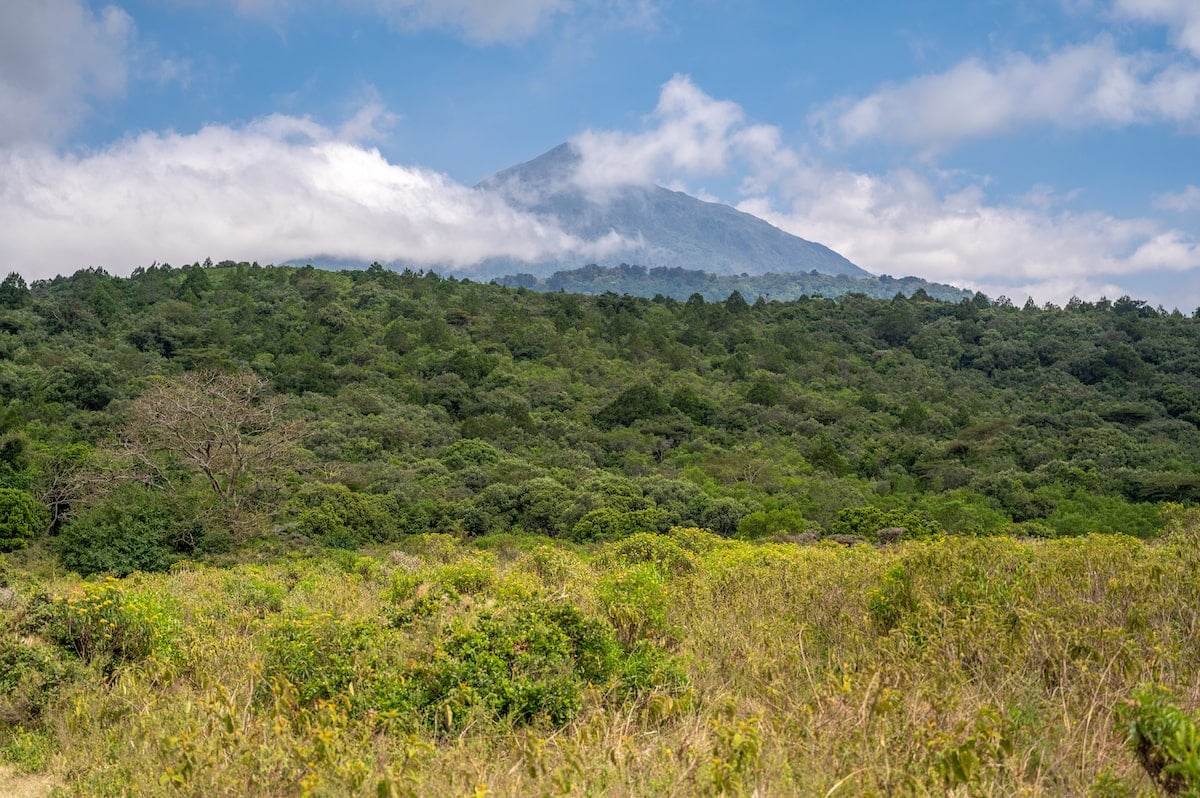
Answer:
(14, 293)
(225, 426)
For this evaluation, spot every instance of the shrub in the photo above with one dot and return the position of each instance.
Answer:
(531, 664)
(315, 653)
(769, 522)
(30, 671)
(867, 521)
(22, 518)
(131, 529)
(469, 452)
(607, 523)
(660, 551)
(635, 602)
(340, 517)
(104, 620)
(1166, 741)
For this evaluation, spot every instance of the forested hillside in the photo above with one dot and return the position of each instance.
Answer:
(458, 407)
(678, 283)
(425, 536)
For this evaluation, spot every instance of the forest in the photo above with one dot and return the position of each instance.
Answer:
(679, 283)
(286, 531)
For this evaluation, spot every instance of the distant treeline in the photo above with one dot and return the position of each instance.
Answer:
(679, 283)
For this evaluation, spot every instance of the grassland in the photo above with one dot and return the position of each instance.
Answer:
(676, 664)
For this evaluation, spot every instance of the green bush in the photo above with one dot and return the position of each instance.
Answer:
(134, 528)
(635, 601)
(867, 521)
(30, 672)
(660, 551)
(531, 664)
(22, 518)
(1166, 741)
(342, 518)
(469, 452)
(316, 653)
(770, 522)
(607, 523)
(104, 620)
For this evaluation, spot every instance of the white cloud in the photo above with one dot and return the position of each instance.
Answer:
(1083, 85)
(55, 57)
(279, 189)
(689, 134)
(907, 223)
(937, 225)
(1180, 202)
(1182, 16)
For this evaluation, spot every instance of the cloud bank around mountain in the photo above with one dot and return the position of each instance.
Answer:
(282, 188)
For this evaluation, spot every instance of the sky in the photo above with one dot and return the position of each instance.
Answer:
(1024, 148)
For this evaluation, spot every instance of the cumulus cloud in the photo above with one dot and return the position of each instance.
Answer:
(935, 224)
(279, 189)
(56, 56)
(1087, 84)
(689, 134)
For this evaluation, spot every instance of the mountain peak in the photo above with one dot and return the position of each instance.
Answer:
(660, 227)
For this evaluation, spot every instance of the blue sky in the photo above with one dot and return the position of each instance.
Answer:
(1020, 147)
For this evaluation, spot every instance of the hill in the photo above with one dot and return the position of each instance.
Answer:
(680, 284)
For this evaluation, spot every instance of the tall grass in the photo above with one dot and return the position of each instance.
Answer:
(670, 665)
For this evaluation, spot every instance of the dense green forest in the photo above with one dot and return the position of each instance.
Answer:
(678, 283)
(284, 531)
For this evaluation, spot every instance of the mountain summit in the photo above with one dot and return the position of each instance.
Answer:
(657, 226)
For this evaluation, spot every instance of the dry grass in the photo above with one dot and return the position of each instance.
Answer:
(952, 667)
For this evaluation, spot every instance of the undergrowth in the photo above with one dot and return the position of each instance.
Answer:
(673, 664)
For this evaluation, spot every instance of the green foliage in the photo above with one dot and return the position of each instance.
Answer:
(1165, 739)
(31, 672)
(28, 751)
(469, 452)
(638, 402)
(635, 602)
(134, 528)
(22, 518)
(316, 653)
(763, 523)
(866, 522)
(106, 621)
(532, 664)
(14, 293)
(608, 523)
(342, 518)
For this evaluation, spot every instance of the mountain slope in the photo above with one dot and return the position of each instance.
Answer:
(661, 228)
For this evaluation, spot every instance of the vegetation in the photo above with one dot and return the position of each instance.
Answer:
(283, 531)
(678, 283)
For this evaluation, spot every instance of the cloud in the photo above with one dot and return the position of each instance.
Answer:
(1181, 16)
(1077, 86)
(279, 189)
(689, 135)
(909, 223)
(940, 225)
(1180, 202)
(57, 56)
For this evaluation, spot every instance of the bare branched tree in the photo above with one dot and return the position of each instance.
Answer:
(226, 426)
